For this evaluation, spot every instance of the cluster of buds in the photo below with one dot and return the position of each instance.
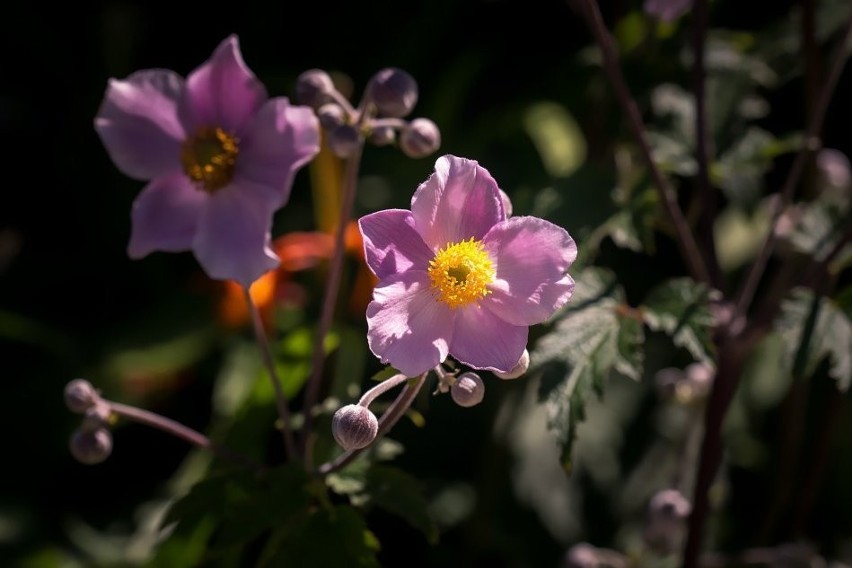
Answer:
(389, 96)
(686, 386)
(91, 442)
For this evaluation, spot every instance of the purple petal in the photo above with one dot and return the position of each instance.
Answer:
(233, 240)
(484, 341)
(223, 91)
(165, 216)
(531, 257)
(280, 140)
(459, 200)
(138, 123)
(407, 327)
(392, 244)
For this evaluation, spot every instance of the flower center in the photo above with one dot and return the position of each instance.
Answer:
(208, 157)
(461, 272)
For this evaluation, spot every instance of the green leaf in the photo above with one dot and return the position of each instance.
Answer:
(326, 537)
(596, 335)
(821, 225)
(812, 329)
(681, 308)
(397, 492)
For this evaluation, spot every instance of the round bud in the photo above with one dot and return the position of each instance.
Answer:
(582, 555)
(519, 369)
(699, 377)
(666, 523)
(96, 417)
(80, 395)
(354, 427)
(507, 203)
(343, 140)
(468, 390)
(420, 138)
(331, 115)
(834, 169)
(91, 446)
(382, 135)
(393, 91)
(313, 88)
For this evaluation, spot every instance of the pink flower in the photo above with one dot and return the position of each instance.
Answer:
(456, 277)
(220, 156)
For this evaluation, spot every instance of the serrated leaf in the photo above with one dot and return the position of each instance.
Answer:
(596, 335)
(681, 308)
(397, 492)
(327, 537)
(814, 328)
(820, 226)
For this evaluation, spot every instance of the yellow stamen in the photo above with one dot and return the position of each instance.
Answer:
(208, 157)
(461, 272)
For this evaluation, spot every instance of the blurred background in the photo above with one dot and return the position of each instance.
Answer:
(511, 84)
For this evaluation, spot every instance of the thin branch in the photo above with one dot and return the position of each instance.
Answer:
(812, 141)
(269, 362)
(689, 248)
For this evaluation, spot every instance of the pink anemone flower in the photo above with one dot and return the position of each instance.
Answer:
(457, 277)
(219, 156)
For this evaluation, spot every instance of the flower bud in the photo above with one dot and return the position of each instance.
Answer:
(96, 417)
(833, 169)
(331, 115)
(666, 523)
(91, 446)
(313, 88)
(468, 390)
(519, 369)
(420, 138)
(80, 395)
(382, 135)
(354, 427)
(343, 140)
(582, 555)
(507, 203)
(393, 91)
(699, 377)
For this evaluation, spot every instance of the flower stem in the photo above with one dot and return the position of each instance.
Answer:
(332, 289)
(812, 141)
(381, 388)
(689, 248)
(266, 354)
(178, 430)
(386, 422)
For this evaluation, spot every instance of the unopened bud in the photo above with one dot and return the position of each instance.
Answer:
(420, 138)
(507, 203)
(468, 390)
(354, 427)
(519, 369)
(666, 523)
(834, 169)
(80, 395)
(314, 88)
(582, 555)
(393, 91)
(699, 377)
(331, 115)
(382, 135)
(343, 140)
(91, 446)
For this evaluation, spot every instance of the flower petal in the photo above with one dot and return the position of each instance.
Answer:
(530, 256)
(281, 139)
(223, 91)
(233, 240)
(138, 123)
(165, 216)
(392, 244)
(460, 200)
(484, 341)
(406, 326)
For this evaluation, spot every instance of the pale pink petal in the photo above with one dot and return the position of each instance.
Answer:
(460, 200)
(223, 92)
(165, 216)
(531, 257)
(280, 139)
(484, 341)
(407, 327)
(138, 123)
(233, 240)
(392, 244)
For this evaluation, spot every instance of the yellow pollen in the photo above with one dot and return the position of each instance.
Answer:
(208, 157)
(461, 272)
